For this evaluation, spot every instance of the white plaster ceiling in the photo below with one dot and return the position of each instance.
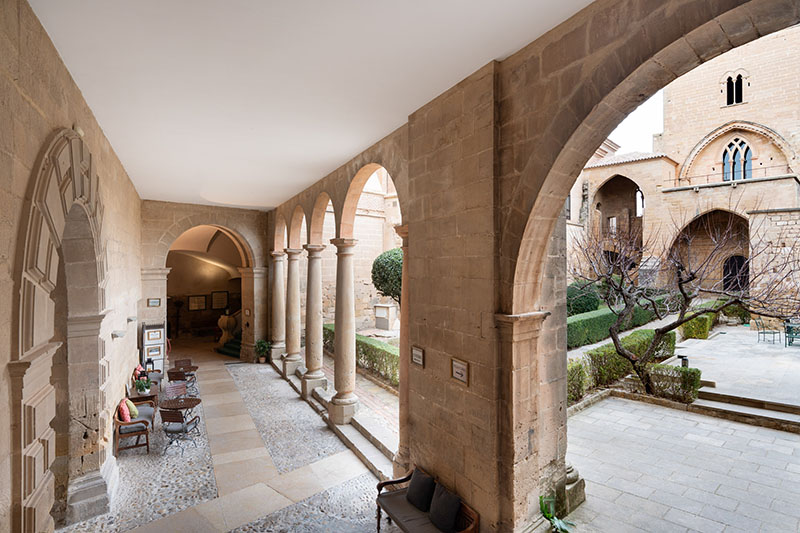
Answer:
(248, 102)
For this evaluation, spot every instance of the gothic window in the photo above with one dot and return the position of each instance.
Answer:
(737, 96)
(568, 207)
(734, 90)
(729, 87)
(737, 161)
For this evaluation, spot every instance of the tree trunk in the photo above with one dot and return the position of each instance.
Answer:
(644, 376)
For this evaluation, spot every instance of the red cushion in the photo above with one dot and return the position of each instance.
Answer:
(139, 368)
(124, 412)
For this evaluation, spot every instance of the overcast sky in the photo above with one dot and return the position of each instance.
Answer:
(635, 133)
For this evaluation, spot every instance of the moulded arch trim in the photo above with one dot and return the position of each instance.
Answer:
(618, 175)
(317, 222)
(354, 189)
(296, 228)
(733, 74)
(242, 243)
(279, 240)
(729, 130)
(731, 212)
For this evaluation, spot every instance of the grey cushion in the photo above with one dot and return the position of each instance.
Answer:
(174, 427)
(132, 428)
(420, 490)
(406, 516)
(145, 412)
(444, 509)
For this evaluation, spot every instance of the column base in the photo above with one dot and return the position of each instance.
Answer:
(401, 462)
(87, 497)
(276, 351)
(575, 490)
(289, 365)
(343, 413)
(309, 383)
(248, 353)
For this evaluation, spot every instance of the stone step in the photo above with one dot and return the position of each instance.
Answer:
(728, 397)
(369, 454)
(376, 432)
(748, 415)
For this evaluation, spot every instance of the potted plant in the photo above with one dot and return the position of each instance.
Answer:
(262, 349)
(143, 385)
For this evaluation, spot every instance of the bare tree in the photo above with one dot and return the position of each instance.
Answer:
(673, 279)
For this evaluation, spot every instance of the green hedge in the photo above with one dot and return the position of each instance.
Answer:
(581, 298)
(371, 354)
(591, 327)
(675, 382)
(606, 366)
(698, 327)
(576, 380)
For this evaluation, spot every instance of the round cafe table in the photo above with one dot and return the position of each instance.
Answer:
(192, 368)
(180, 404)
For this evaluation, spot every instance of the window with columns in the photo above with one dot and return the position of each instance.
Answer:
(737, 161)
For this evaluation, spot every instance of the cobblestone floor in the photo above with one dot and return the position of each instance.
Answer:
(347, 508)
(654, 469)
(293, 433)
(152, 486)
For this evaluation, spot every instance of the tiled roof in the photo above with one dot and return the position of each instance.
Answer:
(626, 158)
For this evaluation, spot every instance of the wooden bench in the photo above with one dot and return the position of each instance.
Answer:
(138, 427)
(410, 519)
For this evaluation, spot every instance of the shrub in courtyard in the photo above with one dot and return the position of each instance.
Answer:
(675, 382)
(698, 327)
(591, 327)
(576, 380)
(606, 366)
(737, 311)
(387, 273)
(581, 298)
(376, 356)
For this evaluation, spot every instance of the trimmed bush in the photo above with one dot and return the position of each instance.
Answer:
(675, 382)
(591, 327)
(698, 327)
(576, 380)
(606, 366)
(371, 354)
(737, 311)
(581, 298)
(387, 273)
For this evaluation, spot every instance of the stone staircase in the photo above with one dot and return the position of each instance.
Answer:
(766, 413)
(232, 348)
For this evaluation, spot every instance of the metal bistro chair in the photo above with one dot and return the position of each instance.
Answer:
(184, 363)
(764, 332)
(176, 376)
(178, 430)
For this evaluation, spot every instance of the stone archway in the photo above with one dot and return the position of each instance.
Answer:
(61, 267)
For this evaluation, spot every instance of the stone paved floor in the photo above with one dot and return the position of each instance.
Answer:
(741, 365)
(653, 469)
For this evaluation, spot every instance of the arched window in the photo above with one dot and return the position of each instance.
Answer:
(737, 161)
(729, 87)
(738, 90)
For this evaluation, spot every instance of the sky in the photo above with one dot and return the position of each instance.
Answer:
(635, 133)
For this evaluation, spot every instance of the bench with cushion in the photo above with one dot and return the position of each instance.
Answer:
(138, 426)
(425, 506)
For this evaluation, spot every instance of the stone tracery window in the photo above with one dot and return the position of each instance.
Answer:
(737, 161)
(734, 89)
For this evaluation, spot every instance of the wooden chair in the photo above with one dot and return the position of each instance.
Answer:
(138, 427)
(176, 389)
(178, 376)
(178, 430)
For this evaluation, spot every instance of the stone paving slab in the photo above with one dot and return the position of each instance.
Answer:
(650, 468)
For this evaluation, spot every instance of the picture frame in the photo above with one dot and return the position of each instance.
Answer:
(219, 299)
(198, 303)
(154, 302)
(153, 351)
(459, 370)
(418, 356)
(152, 335)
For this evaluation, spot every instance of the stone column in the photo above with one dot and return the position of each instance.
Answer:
(345, 403)
(278, 309)
(402, 460)
(314, 376)
(253, 281)
(292, 359)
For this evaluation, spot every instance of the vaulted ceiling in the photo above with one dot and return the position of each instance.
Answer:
(247, 102)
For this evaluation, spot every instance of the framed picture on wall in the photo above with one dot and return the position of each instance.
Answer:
(219, 299)
(154, 302)
(459, 370)
(197, 303)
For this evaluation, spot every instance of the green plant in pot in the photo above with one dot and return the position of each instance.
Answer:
(262, 349)
(143, 385)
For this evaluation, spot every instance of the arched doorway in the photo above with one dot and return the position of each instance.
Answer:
(736, 274)
(62, 417)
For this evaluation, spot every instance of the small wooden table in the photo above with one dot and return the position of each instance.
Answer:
(179, 404)
(133, 393)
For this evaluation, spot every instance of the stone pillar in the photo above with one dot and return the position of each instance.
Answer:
(292, 359)
(154, 285)
(345, 403)
(402, 460)
(253, 311)
(278, 307)
(314, 377)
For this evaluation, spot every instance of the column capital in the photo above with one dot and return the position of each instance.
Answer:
(402, 231)
(252, 272)
(85, 326)
(155, 274)
(343, 244)
(277, 255)
(521, 325)
(314, 249)
(293, 253)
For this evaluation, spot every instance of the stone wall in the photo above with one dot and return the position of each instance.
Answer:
(37, 97)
